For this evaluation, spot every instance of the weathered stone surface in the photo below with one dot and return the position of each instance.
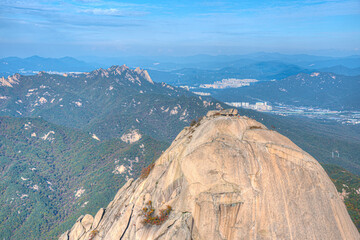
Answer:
(76, 231)
(225, 112)
(230, 178)
(231, 111)
(97, 218)
(87, 222)
(212, 113)
(64, 236)
(144, 74)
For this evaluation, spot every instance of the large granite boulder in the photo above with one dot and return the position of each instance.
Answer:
(228, 177)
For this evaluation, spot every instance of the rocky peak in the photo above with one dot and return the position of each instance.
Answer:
(117, 70)
(124, 67)
(10, 81)
(226, 177)
(97, 72)
(113, 70)
(144, 74)
(41, 73)
(120, 70)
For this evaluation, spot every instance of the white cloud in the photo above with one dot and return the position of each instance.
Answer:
(114, 12)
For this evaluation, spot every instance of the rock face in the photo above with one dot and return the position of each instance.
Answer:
(227, 177)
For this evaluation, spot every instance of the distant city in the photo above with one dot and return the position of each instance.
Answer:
(343, 117)
(259, 106)
(229, 83)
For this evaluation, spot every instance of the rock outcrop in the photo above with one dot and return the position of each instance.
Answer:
(131, 75)
(144, 74)
(226, 177)
(10, 81)
(132, 136)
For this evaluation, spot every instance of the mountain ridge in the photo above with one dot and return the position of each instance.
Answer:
(30, 65)
(100, 98)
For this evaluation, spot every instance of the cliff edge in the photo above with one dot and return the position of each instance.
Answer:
(226, 177)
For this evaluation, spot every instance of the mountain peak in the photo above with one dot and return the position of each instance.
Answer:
(10, 81)
(144, 74)
(118, 69)
(226, 177)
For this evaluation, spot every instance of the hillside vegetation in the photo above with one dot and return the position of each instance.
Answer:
(50, 175)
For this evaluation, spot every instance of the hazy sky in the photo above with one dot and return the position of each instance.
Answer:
(112, 28)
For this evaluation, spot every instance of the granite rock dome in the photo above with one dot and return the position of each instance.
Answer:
(226, 177)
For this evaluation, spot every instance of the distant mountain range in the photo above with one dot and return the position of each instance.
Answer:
(341, 70)
(323, 90)
(31, 65)
(260, 70)
(211, 62)
(340, 65)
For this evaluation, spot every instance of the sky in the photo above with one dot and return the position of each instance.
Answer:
(109, 28)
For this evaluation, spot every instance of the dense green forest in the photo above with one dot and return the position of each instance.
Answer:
(49, 180)
(349, 184)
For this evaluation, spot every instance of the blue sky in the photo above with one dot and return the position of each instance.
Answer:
(113, 28)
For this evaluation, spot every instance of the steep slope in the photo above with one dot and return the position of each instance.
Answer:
(109, 102)
(226, 177)
(316, 137)
(49, 175)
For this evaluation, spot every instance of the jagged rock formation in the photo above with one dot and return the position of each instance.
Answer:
(227, 177)
(131, 75)
(10, 81)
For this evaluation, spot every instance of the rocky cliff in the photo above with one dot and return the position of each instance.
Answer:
(226, 177)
